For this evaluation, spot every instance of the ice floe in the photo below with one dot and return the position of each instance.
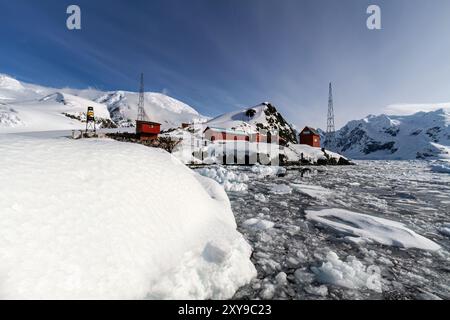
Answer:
(352, 273)
(371, 228)
(313, 191)
(440, 167)
(259, 224)
(281, 189)
(230, 180)
(267, 171)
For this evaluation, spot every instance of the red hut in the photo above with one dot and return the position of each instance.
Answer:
(310, 136)
(215, 134)
(147, 130)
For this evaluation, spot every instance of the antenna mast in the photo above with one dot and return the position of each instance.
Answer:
(141, 112)
(329, 137)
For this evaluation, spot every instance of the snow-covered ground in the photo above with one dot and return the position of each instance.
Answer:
(83, 219)
(378, 230)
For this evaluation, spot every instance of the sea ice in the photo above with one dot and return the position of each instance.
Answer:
(281, 189)
(350, 274)
(377, 229)
(231, 181)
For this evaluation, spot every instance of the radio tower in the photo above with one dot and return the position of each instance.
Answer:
(141, 112)
(329, 137)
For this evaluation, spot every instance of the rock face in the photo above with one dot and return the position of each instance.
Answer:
(418, 136)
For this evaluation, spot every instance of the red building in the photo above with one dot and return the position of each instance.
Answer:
(310, 136)
(215, 134)
(147, 130)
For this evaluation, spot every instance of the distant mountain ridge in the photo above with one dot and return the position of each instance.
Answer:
(423, 135)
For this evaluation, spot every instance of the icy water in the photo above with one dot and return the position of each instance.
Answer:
(288, 252)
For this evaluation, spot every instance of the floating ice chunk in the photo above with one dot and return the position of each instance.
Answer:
(281, 278)
(317, 192)
(373, 228)
(281, 189)
(318, 291)
(267, 171)
(350, 274)
(260, 197)
(268, 292)
(303, 276)
(231, 181)
(440, 167)
(445, 229)
(258, 224)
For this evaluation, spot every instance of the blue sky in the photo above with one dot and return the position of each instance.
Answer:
(219, 55)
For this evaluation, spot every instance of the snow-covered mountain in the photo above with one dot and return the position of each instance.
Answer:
(422, 135)
(30, 107)
(263, 116)
(168, 111)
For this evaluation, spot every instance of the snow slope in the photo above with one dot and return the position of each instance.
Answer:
(113, 220)
(158, 107)
(419, 136)
(57, 111)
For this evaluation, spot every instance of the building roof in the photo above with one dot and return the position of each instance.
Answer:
(314, 131)
(148, 122)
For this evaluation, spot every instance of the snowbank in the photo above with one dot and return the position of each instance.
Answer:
(98, 219)
(350, 274)
(371, 228)
(231, 181)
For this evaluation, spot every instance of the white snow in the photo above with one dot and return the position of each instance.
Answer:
(350, 274)
(41, 108)
(293, 152)
(231, 181)
(371, 228)
(99, 219)
(48, 113)
(158, 107)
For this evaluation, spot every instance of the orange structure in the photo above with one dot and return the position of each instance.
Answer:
(147, 130)
(310, 136)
